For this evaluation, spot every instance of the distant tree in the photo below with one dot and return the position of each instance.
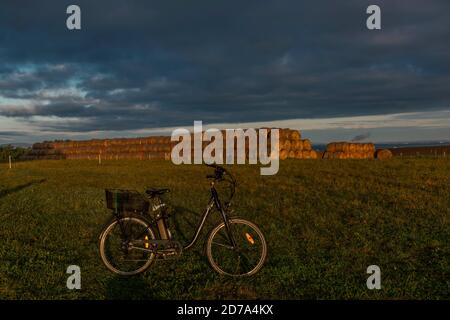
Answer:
(15, 152)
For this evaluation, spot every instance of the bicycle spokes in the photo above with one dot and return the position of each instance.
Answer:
(241, 258)
(125, 249)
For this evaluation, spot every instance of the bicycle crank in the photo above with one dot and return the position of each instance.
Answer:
(164, 247)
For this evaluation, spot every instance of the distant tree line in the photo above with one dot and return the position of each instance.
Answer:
(15, 152)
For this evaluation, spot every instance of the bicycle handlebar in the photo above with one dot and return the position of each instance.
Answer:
(219, 173)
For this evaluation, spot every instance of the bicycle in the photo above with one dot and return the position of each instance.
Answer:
(129, 244)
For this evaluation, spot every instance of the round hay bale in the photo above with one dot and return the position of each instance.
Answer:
(299, 145)
(331, 147)
(307, 144)
(285, 144)
(291, 154)
(298, 154)
(306, 154)
(314, 154)
(283, 154)
(148, 140)
(165, 140)
(383, 154)
(339, 155)
(352, 147)
(294, 135)
(284, 134)
(346, 147)
(294, 145)
(339, 147)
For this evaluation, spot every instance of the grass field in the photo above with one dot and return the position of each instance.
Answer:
(325, 223)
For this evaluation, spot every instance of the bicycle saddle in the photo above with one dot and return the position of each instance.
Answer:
(154, 191)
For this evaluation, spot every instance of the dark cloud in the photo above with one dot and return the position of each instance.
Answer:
(10, 133)
(138, 64)
(361, 137)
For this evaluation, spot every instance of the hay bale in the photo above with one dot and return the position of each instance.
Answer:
(291, 154)
(306, 154)
(307, 144)
(346, 148)
(369, 155)
(296, 145)
(314, 154)
(339, 155)
(285, 144)
(295, 135)
(298, 154)
(331, 147)
(283, 154)
(383, 154)
(339, 146)
(284, 134)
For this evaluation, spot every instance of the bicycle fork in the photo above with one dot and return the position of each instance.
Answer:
(225, 218)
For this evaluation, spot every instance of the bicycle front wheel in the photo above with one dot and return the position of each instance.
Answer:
(248, 254)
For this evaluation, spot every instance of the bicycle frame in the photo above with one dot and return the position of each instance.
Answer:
(213, 202)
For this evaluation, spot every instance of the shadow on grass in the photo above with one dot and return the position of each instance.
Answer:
(190, 217)
(128, 288)
(4, 193)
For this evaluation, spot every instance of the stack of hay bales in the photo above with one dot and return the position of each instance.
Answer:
(291, 145)
(158, 148)
(349, 150)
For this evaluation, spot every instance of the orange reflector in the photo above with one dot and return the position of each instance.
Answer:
(249, 238)
(146, 243)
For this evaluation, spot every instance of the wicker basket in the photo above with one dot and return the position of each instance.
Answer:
(126, 201)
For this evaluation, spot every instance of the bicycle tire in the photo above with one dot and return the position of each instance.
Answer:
(109, 228)
(233, 221)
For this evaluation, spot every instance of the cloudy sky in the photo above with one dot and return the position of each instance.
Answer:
(146, 67)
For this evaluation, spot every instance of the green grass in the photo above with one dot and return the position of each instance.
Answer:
(325, 223)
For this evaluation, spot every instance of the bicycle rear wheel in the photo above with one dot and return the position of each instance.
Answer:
(245, 258)
(124, 246)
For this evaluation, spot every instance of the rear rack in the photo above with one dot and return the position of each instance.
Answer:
(126, 201)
